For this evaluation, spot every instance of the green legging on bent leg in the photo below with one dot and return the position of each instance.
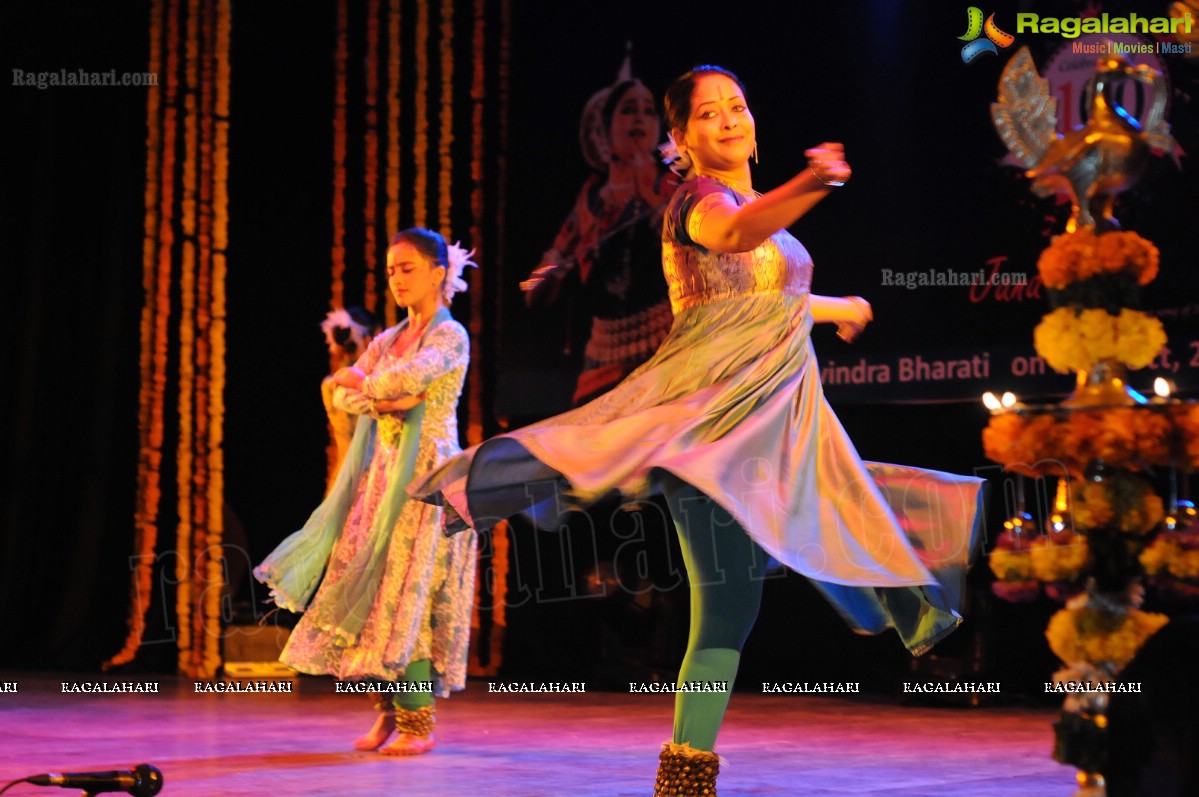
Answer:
(723, 565)
(416, 673)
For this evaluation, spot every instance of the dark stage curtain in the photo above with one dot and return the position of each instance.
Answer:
(72, 226)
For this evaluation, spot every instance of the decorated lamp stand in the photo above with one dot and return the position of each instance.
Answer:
(1109, 534)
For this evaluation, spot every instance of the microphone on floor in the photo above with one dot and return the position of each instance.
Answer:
(142, 781)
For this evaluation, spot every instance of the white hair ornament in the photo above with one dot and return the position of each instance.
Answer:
(457, 259)
(678, 162)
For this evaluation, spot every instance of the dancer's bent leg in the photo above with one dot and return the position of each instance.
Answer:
(726, 592)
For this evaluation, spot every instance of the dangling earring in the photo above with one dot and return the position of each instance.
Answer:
(755, 151)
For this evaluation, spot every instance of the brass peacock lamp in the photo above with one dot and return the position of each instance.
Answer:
(1092, 163)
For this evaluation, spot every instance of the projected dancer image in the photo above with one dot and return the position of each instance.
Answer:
(395, 595)
(606, 258)
(728, 418)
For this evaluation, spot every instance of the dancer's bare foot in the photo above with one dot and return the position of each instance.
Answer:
(408, 744)
(377, 735)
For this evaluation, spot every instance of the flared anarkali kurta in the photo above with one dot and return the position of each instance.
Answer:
(732, 404)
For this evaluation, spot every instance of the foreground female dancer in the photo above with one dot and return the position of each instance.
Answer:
(728, 420)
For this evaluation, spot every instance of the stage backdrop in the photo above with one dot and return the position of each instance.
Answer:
(935, 198)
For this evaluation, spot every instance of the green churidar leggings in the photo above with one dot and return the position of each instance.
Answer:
(725, 567)
(414, 674)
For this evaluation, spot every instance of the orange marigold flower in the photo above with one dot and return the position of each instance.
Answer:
(1082, 254)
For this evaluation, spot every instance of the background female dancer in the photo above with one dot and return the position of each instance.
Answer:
(396, 595)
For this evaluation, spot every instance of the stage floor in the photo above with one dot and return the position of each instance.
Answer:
(596, 744)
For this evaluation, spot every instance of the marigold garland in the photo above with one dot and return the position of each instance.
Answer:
(340, 181)
(1186, 421)
(496, 577)
(166, 240)
(1096, 279)
(1022, 565)
(340, 58)
(1070, 339)
(184, 476)
(201, 512)
(1128, 438)
(183, 456)
(1174, 554)
(217, 315)
(1024, 444)
(1010, 564)
(210, 352)
(394, 163)
(429, 124)
(503, 89)
(148, 496)
(1103, 638)
(204, 286)
(371, 158)
(420, 144)
(1123, 437)
(1123, 502)
(150, 471)
(1080, 255)
(474, 428)
(200, 352)
(1058, 559)
(445, 135)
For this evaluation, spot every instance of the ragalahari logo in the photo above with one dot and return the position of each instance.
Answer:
(975, 27)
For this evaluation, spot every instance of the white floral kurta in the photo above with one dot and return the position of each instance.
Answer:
(422, 607)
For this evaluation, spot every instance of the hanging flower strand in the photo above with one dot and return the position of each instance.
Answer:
(445, 133)
(420, 145)
(145, 526)
(370, 157)
(393, 100)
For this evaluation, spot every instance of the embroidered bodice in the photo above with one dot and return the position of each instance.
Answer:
(697, 276)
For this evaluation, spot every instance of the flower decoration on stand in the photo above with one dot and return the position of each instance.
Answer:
(1094, 282)
(1112, 257)
(1075, 339)
(1171, 563)
(1109, 533)
(1100, 634)
(1011, 562)
(1058, 561)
